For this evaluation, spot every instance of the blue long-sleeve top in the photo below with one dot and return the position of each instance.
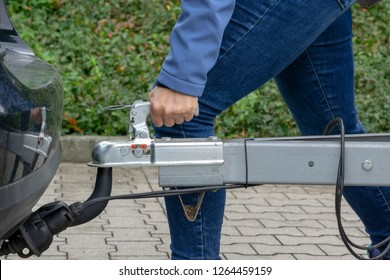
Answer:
(195, 42)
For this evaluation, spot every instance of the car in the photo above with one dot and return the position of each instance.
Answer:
(31, 100)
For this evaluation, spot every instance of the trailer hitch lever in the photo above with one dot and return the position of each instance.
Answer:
(137, 118)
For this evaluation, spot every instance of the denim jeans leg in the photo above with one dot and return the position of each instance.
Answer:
(262, 38)
(319, 86)
(200, 239)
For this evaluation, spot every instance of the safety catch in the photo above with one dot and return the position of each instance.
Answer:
(191, 211)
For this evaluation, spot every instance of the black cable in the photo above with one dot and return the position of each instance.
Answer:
(246, 161)
(338, 122)
(164, 193)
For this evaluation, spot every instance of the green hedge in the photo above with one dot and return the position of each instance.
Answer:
(109, 52)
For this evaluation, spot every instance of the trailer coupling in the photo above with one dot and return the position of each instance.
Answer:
(201, 165)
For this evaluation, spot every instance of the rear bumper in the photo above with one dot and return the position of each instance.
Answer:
(17, 199)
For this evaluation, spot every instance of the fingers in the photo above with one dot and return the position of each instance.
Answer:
(169, 107)
(169, 115)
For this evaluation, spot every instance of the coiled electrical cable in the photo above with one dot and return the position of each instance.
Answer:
(338, 122)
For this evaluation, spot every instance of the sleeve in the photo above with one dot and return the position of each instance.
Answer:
(195, 42)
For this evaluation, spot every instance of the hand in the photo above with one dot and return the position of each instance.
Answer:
(168, 107)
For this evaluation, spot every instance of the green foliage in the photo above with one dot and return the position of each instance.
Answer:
(263, 113)
(372, 62)
(110, 52)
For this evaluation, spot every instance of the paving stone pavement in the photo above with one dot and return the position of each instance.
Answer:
(265, 222)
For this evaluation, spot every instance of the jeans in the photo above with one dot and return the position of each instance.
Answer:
(306, 46)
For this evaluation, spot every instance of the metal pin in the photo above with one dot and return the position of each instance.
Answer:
(367, 165)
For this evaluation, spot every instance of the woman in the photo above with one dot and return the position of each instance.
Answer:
(223, 50)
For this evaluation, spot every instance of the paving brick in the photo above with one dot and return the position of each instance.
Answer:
(127, 222)
(89, 241)
(154, 216)
(251, 196)
(316, 210)
(288, 231)
(332, 257)
(241, 248)
(317, 216)
(265, 249)
(314, 195)
(162, 256)
(278, 188)
(256, 239)
(122, 211)
(251, 201)
(236, 256)
(89, 254)
(139, 250)
(299, 240)
(291, 223)
(287, 189)
(259, 216)
(244, 222)
(239, 208)
(275, 209)
(155, 205)
(131, 234)
(334, 249)
(161, 228)
(352, 232)
(322, 189)
(231, 231)
(297, 202)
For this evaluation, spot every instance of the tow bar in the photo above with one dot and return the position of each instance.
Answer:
(200, 165)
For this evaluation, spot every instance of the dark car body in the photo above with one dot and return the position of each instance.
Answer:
(31, 97)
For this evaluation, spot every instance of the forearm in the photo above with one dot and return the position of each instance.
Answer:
(195, 43)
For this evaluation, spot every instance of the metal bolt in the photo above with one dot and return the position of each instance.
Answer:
(124, 150)
(143, 134)
(367, 165)
(138, 153)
